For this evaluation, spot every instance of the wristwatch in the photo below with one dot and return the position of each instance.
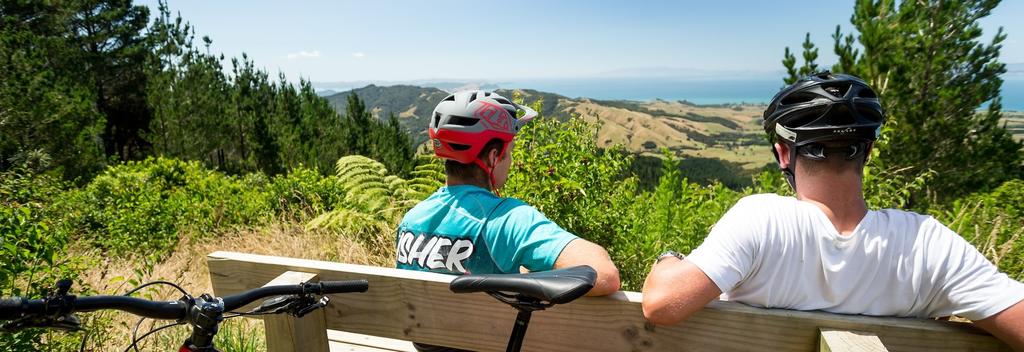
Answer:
(669, 254)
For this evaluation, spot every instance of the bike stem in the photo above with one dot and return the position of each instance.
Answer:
(204, 315)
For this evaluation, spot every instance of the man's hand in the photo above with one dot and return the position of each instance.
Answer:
(674, 290)
(1007, 326)
(583, 252)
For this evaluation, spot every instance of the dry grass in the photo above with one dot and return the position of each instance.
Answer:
(985, 235)
(633, 129)
(187, 268)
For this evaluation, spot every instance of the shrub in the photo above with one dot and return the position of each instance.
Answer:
(147, 205)
(994, 223)
(32, 251)
(558, 169)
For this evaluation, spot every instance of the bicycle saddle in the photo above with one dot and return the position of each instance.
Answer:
(555, 286)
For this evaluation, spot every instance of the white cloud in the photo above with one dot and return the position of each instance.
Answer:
(304, 55)
(359, 55)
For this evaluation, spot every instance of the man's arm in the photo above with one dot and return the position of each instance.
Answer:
(1007, 325)
(674, 290)
(583, 252)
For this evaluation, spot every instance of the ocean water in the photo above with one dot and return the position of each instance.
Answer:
(1013, 94)
(700, 91)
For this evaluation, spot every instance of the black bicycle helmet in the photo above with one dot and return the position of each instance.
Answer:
(823, 107)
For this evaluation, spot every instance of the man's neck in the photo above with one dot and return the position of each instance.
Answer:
(841, 198)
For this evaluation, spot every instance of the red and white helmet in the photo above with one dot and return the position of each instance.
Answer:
(464, 122)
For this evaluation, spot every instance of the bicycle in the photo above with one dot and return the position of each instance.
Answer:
(529, 292)
(203, 313)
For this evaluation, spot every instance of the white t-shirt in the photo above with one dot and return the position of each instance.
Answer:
(779, 252)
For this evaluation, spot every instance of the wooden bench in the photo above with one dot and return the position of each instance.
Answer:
(403, 306)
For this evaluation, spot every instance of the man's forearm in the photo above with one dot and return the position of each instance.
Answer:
(674, 290)
(582, 252)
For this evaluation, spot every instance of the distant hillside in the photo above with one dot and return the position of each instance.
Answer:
(326, 93)
(411, 104)
(729, 132)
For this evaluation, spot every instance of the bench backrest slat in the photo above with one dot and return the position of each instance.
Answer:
(418, 306)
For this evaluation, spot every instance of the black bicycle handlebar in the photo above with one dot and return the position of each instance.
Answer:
(12, 308)
(17, 307)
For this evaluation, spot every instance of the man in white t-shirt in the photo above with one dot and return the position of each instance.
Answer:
(824, 250)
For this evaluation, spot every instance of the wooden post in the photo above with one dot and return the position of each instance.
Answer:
(286, 333)
(833, 340)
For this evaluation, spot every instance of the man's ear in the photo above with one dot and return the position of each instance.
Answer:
(492, 157)
(782, 151)
(867, 152)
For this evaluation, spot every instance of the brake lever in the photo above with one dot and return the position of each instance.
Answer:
(311, 306)
(58, 313)
(274, 305)
(68, 322)
(295, 305)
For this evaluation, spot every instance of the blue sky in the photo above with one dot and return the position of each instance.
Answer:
(490, 40)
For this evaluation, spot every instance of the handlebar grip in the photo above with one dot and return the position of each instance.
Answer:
(344, 286)
(12, 308)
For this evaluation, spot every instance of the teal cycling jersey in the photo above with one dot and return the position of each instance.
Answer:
(467, 229)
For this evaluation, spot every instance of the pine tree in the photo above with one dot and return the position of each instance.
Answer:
(109, 34)
(48, 119)
(810, 54)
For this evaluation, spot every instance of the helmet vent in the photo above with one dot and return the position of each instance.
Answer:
(798, 98)
(437, 119)
(449, 98)
(472, 97)
(459, 147)
(866, 93)
(837, 91)
(462, 121)
(487, 94)
(503, 101)
(804, 117)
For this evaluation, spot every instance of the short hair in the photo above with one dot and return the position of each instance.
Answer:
(471, 171)
(835, 162)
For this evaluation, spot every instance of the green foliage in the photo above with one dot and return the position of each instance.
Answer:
(932, 72)
(73, 83)
(385, 141)
(48, 116)
(677, 215)
(893, 188)
(372, 199)
(704, 171)
(32, 252)
(147, 205)
(299, 193)
(591, 192)
(419, 102)
(242, 121)
(994, 222)
(235, 335)
(558, 169)
(87, 82)
(810, 54)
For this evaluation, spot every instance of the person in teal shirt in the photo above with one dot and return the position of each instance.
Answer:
(466, 226)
